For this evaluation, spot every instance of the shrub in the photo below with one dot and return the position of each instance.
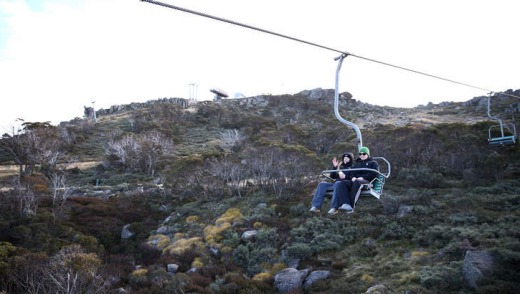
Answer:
(212, 234)
(230, 239)
(462, 219)
(197, 263)
(390, 204)
(231, 216)
(138, 277)
(299, 251)
(320, 234)
(267, 238)
(394, 231)
(192, 219)
(159, 241)
(442, 277)
(298, 210)
(251, 257)
(262, 276)
(421, 177)
(426, 237)
(180, 246)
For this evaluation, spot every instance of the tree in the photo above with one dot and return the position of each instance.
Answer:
(230, 139)
(72, 270)
(138, 152)
(35, 144)
(231, 173)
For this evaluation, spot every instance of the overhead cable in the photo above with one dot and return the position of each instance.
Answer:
(317, 45)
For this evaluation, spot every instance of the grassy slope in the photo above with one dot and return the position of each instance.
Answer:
(414, 251)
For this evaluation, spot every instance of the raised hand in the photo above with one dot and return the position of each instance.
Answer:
(335, 162)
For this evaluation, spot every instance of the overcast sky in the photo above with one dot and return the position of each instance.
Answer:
(57, 56)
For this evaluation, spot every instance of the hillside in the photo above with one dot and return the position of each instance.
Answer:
(213, 197)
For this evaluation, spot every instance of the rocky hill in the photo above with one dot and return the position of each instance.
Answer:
(172, 196)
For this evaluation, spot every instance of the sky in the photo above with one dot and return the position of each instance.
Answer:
(58, 56)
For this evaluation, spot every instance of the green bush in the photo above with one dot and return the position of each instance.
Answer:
(298, 210)
(299, 251)
(421, 177)
(390, 204)
(251, 257)
(394, 231)
(442, 277)
(267, 238)
(322, 234)
(463, 218)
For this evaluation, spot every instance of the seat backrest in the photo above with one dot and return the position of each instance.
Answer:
(375, 187)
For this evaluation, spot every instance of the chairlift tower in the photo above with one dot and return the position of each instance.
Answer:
(94, 111)
(193, 91)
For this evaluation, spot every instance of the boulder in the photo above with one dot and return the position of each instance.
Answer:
(476, 264)
(379, 289)
(172, 267)
(315, 276)
(289, 279)
(249, 235)
(126, 233)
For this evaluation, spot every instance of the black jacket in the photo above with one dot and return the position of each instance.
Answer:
(342, 165)
(365, 174)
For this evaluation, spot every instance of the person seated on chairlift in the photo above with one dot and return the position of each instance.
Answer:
(346, 193)
(346, 162)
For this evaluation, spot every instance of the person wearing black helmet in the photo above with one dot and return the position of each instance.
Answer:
(346, 162)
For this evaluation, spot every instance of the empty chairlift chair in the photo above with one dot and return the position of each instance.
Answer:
(501, 134)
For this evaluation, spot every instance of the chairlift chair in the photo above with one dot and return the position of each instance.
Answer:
(496, 133)
(375, 187)
(503, 139)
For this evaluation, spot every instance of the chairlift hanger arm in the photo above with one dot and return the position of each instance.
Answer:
(493, 117)
(489, 108)
(336, 102)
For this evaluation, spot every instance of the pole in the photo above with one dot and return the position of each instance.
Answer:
(94, 109)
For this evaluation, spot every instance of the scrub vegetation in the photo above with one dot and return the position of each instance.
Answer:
(113, 205)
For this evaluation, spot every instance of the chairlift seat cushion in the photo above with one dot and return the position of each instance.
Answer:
(506, 140)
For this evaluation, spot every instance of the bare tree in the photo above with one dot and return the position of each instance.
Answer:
(154, 145)
(282, 171)
(60, 192)
(72, 270)
(232, 173)
(26, 199)
(123, 150)
(230, 139)
(27, 274)
(261, 169)
(139, 152)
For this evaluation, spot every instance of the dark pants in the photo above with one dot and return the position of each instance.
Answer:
(347, 192)
(340, 193)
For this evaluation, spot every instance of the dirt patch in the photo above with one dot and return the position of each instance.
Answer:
(10, 170)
